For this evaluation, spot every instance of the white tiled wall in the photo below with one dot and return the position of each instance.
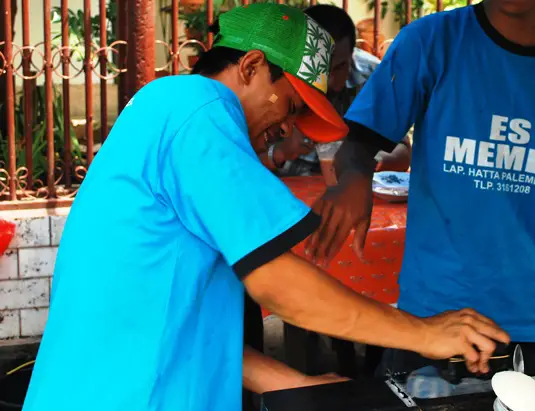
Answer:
(9, 265)
(32, 321)
(26, 270)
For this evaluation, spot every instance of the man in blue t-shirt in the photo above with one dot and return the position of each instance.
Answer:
(184, 217)
(465, 78)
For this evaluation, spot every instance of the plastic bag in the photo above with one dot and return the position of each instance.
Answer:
(7, 232)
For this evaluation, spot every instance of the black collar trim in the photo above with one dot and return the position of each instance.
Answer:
(495, 36)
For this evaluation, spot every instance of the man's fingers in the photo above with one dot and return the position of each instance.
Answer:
(324, 210)
(485, 346)
(489, 329)
(328, 232)
(313, 239)
(469, 312)
(473, 367)
(482, 342)
(361, 230)
(339, 239)
(494, 333)
(471, 356)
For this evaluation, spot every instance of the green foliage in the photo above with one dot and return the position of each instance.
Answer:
(39, 142)
(76, 26)
(197, 21)
(419, 8)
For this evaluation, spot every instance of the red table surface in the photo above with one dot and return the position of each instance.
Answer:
(378, 277)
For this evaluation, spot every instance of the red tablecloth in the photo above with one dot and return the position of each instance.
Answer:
(384, 245)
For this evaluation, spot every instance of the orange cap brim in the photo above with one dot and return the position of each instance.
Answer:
(321, 122)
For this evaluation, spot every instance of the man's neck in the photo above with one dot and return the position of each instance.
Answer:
(518, 28)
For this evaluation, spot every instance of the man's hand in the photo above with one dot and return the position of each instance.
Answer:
(465, 333)
(342, 208)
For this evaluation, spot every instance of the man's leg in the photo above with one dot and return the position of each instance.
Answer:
(346, 356)
(253, 336)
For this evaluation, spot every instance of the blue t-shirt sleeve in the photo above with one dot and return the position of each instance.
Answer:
(222, 193)
(395, 95)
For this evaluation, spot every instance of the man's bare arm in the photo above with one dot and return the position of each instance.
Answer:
(355, 157)
(263, 374)
(303, 295)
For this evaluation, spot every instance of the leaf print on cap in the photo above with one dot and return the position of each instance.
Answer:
(314, 70)
(312, 47)
(325, 63)
(316, 61)
(315, 31)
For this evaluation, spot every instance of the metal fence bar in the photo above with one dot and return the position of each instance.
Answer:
(408, 11)
(345, 5)
(27, 91)
(65, 67)
(103, 73)
(174, 35)
(122, 34)
(88, 67)
(440, 6)
(10, 101)
(376, 26)
(49, 98)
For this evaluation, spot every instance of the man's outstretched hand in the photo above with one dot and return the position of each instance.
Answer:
(342, 208)
(465, 333)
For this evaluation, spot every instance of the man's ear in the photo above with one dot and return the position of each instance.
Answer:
(251, 64)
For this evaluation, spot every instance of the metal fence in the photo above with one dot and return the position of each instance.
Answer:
(42, 162)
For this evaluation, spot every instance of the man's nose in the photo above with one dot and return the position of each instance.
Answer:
(287, 127)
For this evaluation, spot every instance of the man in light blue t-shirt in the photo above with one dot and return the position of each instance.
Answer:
(183, 218)
(466, 79)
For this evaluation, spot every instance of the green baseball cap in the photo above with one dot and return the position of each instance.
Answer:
(296, 43)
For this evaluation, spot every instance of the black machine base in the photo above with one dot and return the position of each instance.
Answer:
(366, 395)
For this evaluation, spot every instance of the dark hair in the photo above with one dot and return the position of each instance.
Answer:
(217, 59)
(335, 20)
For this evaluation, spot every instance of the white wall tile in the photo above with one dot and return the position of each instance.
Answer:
(37, 262)
(9, 265)
(24, 293)
(9, 324)
(32, 232)
(56, 228)
(33, 321)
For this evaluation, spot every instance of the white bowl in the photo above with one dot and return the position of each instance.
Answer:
(515, 390)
